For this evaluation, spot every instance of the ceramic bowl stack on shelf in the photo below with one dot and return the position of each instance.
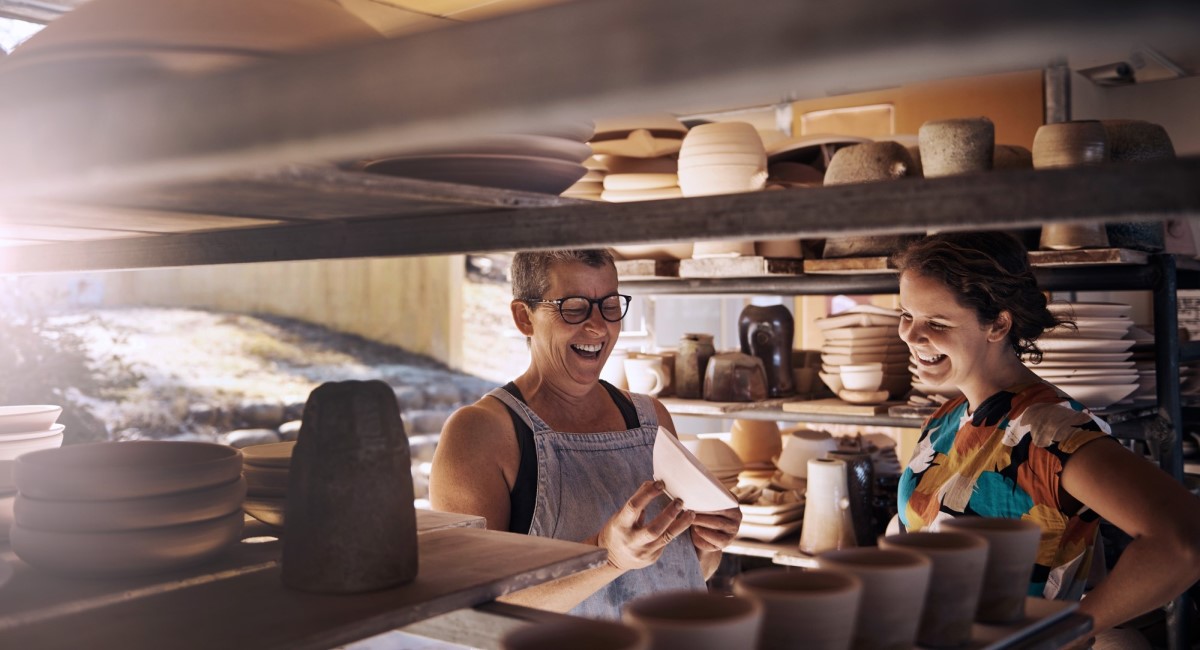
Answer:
(717, 457)
(1093, 363)
(863, 358)
(124, 508)
(23, 429)
(639, 155)
(266, 471)
(591, 185)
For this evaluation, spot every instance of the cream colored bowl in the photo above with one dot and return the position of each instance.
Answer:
(33, 417)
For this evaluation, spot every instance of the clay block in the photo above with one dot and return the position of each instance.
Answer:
(350, 522)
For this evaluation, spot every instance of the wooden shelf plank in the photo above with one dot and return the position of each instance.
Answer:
(702, 407)
(1015, 198)
(460, 567)
(1087, 257)
(751, 266)
(638, 269)
(849, 266)
(332, 105)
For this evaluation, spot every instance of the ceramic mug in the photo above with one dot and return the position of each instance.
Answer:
(814, 609)
(645, 374)
(576, 632)
(1012, 551)
(894, 585)
(696, 620)
(955, 584)
(614, 369)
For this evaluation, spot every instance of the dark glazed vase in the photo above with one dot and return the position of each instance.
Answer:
(690, 363)
(766, 333)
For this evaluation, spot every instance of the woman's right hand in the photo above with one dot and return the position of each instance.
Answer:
(633, 544)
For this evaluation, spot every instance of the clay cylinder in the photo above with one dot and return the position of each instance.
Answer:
(350, 525)
(766, 333)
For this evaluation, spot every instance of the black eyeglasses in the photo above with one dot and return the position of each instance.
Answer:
(576, 309)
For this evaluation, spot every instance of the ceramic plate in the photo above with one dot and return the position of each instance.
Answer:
(14, 436)
(16, 419)
(640, 181)
(524, 173)
(763, 533)
(856, 320)
(1083, 345)
(1092, 309)
(776, 510)
(773, 520)
(686, 478)
(1108, 333)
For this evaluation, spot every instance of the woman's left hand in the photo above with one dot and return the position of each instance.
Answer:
(712, 531)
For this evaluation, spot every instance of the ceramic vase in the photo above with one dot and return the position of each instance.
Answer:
(860, 481)
(766, 332)
(827, 520)
(691, 361)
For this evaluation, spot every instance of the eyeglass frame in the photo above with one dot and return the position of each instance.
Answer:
(592, 303)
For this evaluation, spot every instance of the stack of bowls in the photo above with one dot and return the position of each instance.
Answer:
(801, 446)
(266, 471)
(717, 457)
(112, 509)
(640, 179)
(23, 429)
(722, 158)
(863, 358)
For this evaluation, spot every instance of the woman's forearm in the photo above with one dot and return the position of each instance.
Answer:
(1150, 573)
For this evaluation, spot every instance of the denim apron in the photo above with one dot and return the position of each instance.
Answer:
(583, 480)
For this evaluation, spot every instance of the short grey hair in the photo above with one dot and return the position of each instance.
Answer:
(530, 270)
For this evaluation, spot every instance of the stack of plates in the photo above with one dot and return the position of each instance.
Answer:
(767, 523)
(548, 164)
(266, 472)
(640, 157)
(591, 185)
(23, 429)
(640, 136)
(1093, 364)
(864, 334)
(717, 457)
(112, 509)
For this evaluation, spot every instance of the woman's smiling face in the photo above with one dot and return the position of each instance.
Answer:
(948, 343)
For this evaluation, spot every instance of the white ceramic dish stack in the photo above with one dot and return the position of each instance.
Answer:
(266, 471)
(112, 509)
(639, 136)
(863, 342)
(1093, 362)
(23, 429)
(722, 158)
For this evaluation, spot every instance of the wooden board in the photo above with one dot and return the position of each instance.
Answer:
(1086, 257)
(460, 567)
(739, 267)
(849, 265)
(702, 407)
(633, 269)
(911, 411)
(38, 596)
(835, 405)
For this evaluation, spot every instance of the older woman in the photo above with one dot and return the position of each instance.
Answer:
(559, 453)
(1015, 446)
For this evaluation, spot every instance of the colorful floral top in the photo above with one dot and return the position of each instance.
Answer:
(1005, 460)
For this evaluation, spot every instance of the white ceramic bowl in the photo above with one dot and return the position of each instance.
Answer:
(125, 470)
(693, 161)
(10, 449)
(866, 376)
(721, 179)
(801, 446)
(130, 514)
(127, 552)
(717, 456)
(34, 417)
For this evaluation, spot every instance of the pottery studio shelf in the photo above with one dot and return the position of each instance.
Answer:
(238, 601)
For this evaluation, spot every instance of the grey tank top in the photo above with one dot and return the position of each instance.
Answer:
(583, 480)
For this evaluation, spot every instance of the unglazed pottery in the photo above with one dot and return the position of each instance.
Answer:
(34, 417)
(894, 586)
(957, 146)
(955, 584)
(686, 478)
(645, 374)
(689, 620)
(1012, 551)
(756, 441)
(130, 514)
(828, 523)
(814, 609)
(801, 446)
(691, 362)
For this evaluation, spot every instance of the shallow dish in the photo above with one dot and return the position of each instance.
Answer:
(125, 470)
(268, 510)
(1092, 309)
(522, 173)
(266, 481)
(850, 333)
(130, 514)
(27, 418)
(1084, 345)
(626, 182)
(15, 436)
(686, 478)
(275, 454)
(128, 552)
(10, 450)
(768, 532)
(863, 396)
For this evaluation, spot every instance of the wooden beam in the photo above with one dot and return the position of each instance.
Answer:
(520, 72)
(1010, 199)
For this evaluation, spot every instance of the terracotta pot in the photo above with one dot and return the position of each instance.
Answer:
(813, 609)
(894, 586)
(955, 584)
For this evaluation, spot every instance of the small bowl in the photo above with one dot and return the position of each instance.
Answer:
(28, 418)
(714, 454)
(832, 379)
(23, 443)
(275, 454)
(803, 445)
(863, 396)
(125, 470)
(865, 377)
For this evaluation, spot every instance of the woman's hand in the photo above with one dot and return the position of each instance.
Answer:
(633, 544)
(713, 531)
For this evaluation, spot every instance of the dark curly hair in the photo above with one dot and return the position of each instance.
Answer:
(990, 274)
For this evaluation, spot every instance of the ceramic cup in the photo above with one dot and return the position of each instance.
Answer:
(693, 620)
(645, 374)
(955, 583)
(894, 585)
(614, 369)
(814, 609)
(756, 441)
(801, 446)
(575, 632)
(828, 522)
(1012, 551)
(957, 146)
